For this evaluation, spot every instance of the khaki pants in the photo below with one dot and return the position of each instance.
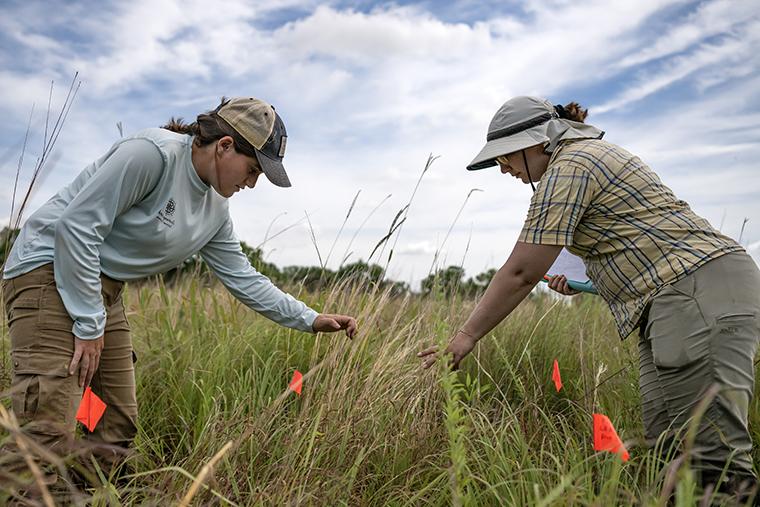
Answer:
(44, 396)
(703, 331)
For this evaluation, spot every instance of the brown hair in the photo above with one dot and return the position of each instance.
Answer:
(209, 127)
(572, 111)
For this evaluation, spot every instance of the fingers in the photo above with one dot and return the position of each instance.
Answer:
(566, 289)
(330, 323)
(75, 360)
(88, 368)
(429, 356)
(555, 283)
(432, 357)
(559, 283)
(83, 369)
(429, 360)
(427, 351)
(351, 327)
(86, 358)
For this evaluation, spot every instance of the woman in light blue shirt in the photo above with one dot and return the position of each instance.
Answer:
(153, 200)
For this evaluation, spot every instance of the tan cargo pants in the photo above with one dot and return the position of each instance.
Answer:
(703, 331)
(44, 396)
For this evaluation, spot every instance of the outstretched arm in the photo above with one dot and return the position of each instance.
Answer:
(226, 258)
(526, 265)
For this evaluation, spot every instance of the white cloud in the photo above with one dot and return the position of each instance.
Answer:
(425, 248)
(728, 52)
(368, 95)
(710, 18)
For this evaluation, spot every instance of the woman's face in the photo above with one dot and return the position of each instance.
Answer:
(514, 163)
(234, 171)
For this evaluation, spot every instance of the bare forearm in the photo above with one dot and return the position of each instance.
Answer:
(506, 290)
(522, 271)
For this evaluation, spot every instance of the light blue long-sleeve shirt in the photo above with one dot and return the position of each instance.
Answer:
(139, 210)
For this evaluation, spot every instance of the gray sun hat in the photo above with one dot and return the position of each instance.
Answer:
(523, 122)
(262, 127)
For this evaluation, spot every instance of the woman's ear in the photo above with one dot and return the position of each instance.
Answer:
(224, 144)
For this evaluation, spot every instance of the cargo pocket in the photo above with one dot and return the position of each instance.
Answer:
(676, 327)
(25, 397)
(47, 402)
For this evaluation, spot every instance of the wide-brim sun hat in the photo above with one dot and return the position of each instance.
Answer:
(523, 122)
(262, 127)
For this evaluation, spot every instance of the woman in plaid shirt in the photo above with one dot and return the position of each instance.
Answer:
(692, 292)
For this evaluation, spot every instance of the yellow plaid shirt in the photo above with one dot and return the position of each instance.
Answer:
(634, 236)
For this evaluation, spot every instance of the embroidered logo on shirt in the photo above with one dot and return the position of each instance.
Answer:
(165, 215)
(170, 207)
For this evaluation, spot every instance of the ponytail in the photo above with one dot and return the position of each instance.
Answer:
(179, 126)
(572, 111)
(209, 127)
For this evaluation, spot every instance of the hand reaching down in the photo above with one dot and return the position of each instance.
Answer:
(330, 322)
(458, 348)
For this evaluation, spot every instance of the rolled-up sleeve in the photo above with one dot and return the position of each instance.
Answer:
(226, 259)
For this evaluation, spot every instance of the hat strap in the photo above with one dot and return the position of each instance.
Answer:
(525, 161)
(514, 129)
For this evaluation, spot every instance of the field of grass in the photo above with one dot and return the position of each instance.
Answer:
(371, 427)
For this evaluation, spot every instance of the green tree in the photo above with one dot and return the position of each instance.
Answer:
(477, 285)
(362, 272)
(447, 280)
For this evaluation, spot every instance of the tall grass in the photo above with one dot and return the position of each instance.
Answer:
(371, 427)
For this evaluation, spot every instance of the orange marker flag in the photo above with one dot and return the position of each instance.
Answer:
(91, 409)
(556, 376)
(295, 384)
(606, 438)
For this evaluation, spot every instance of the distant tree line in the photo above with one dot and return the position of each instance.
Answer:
(445, 281)
(451, 280)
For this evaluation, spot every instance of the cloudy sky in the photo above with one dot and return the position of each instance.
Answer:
(369, 89)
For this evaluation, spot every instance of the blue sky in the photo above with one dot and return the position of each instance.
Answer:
(367, 90)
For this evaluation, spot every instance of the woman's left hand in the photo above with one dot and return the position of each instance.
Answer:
(330, 322)
(558, 283)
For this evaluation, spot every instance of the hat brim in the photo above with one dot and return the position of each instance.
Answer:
(504, 146)
(273, 169)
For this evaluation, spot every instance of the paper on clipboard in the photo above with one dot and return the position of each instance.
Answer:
(569, 265)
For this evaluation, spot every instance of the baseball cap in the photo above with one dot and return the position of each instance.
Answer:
(262, 127)
(522, 122)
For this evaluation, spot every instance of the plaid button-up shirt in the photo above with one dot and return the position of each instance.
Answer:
(609, 208)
